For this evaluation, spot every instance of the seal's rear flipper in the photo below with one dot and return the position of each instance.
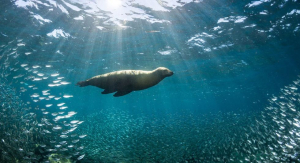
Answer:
(82, 83)
(122, 93)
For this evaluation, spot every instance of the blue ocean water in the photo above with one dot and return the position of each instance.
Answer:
(233, 61)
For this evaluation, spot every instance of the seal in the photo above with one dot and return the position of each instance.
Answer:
(125, 81)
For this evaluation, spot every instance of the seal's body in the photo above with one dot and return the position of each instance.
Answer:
(125, 81)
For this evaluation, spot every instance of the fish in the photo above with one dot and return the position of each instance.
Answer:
(30, 133)
(271, 134)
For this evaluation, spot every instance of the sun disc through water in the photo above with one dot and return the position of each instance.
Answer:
(113, 4)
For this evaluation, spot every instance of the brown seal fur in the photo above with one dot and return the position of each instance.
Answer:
(125, 81)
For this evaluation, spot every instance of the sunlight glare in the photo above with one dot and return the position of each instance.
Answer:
(113, 4)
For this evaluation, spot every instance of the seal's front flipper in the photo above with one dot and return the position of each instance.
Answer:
(122, 93)
(107, 91)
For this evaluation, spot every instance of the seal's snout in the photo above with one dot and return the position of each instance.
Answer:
(170, 73)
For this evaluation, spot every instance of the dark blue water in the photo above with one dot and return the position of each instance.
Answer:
(228, 57)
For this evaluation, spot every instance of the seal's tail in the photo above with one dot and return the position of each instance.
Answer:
(82, 83)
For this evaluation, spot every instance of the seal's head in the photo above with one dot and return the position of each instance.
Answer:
(164, 71)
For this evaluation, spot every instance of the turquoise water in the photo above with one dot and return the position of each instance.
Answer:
(233, 96)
